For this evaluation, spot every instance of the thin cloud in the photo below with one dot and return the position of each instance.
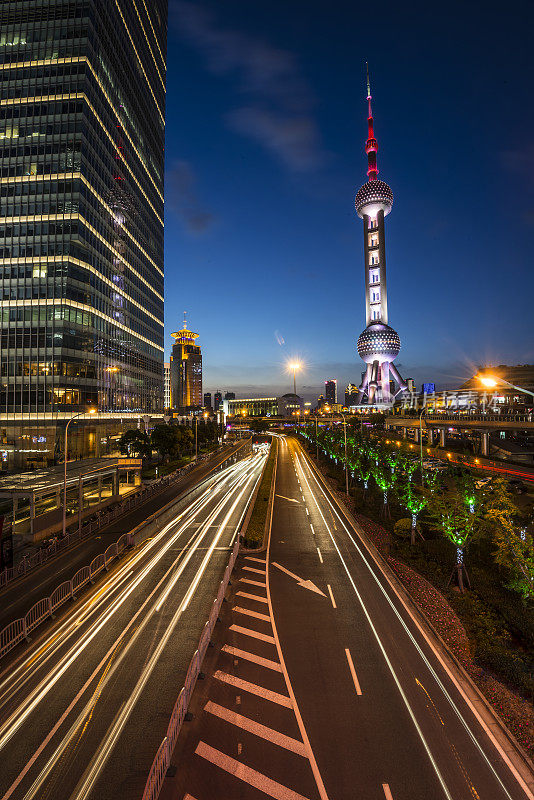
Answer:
(182, 199)
(277, 112)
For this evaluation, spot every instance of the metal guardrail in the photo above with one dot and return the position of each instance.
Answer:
(104, 518)
(466, 416)
(19, 629)
(163, 756)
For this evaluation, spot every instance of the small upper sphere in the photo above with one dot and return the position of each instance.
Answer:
(372, 197)
(378, 342)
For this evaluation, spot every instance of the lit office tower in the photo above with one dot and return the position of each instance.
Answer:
(186, 370)
(81, 217)
(378, 344)
(330, 390)
(351, 395)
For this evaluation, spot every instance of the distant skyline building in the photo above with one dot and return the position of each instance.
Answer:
(351, 395)
(229, 396)
(81, 213)
(186, 370)
(217, 400)
(378, 344)
(330, 390)
(207, 400)
(167, 384)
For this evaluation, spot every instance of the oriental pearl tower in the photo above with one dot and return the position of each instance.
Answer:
(378, 345)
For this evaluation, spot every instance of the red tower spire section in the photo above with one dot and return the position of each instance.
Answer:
(371, 145)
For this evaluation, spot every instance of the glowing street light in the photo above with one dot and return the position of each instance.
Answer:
(294, 367)
(492, 381)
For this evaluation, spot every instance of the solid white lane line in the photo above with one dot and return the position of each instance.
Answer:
(262, 662)
(251, 726)
(331, 595)
(252, 597)
(380, 645)
(247, 774)
(353, 671)
(320, 556)
(253, 569)
(254, 583)
(246, 686)
(249, 632)
(300, 722)
(259, 560)
(256, 614)
(387, 791)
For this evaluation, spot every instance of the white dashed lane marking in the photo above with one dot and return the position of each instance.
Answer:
(262, 662)
(254, 634)
(247, 774)
(251, 726)
(246, 686)
(256, 614)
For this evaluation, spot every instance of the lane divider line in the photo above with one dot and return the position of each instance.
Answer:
(353, 671)
(259, 560)
(251, 776)
(253, 569)
(253, 688)
(320, 556)
(262, 662)
(331, 595)
(387, 791)
(256, 728)
(254, 634)
(248, 612)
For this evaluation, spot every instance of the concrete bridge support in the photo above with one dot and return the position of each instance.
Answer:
(485, 441)
(442, 437)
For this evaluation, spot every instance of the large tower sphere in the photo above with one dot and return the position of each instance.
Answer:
(378, 342)
(373, 197)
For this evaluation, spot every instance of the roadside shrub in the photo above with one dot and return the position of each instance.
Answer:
(403, 528)
(514, 669)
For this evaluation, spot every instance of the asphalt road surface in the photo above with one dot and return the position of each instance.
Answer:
(323, 685)
(84, 708)
(20, 595)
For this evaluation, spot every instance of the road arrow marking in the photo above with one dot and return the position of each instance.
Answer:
(290, 499)
(301, 582)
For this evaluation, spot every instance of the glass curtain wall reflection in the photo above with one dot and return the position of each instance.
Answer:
(82, 103)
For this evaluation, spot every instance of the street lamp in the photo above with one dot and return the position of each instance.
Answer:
(346, 460)
(205, 415)
(421, 442)
(293, 367)
(112, 371)
(81, 414)
(491, 382)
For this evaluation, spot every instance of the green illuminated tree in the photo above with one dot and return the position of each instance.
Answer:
(135, 443)
(459, 525)
(515, 546)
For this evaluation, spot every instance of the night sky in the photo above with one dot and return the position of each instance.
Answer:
(266, 123)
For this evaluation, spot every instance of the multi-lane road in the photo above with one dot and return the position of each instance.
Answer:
(84, 707)
(322, 670)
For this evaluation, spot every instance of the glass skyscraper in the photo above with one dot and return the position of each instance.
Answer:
(81, 219)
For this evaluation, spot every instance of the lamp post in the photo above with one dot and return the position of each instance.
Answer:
(205, 415)
(421, 442)
(346, 458)
(293, 367)
(81, 414)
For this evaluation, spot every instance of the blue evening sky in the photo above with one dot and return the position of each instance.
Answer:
(266, 122)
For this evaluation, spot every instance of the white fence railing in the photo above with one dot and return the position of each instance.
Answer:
(19, 629)
(162, 759)
(102, 518)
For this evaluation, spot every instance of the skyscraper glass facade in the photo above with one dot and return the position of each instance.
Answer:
(82, 103)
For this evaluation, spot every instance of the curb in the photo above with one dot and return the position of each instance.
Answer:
(507, 740)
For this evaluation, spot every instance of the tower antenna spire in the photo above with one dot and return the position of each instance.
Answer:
(371, 145)
(185, 319)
